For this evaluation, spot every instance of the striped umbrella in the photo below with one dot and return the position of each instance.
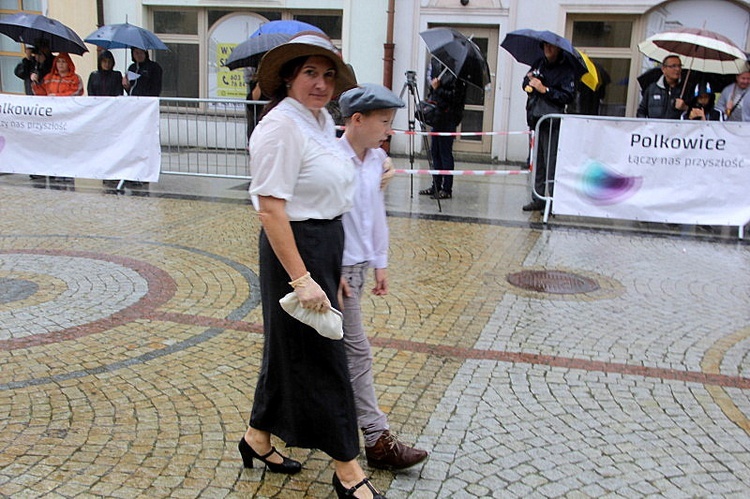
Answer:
(699, 50)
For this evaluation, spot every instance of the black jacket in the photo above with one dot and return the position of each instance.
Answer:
(657, 101)
(23, 70)
(149, 83)
(450, 97)
(560, 79)
(107, 83)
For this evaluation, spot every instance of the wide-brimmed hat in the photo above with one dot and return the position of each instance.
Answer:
(304, 44)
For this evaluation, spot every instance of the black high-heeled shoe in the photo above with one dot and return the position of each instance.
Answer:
(343, 493)
(288, 466)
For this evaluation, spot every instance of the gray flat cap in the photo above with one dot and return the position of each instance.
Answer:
(366, 97)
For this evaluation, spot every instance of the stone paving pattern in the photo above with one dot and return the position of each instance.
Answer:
(130, 341)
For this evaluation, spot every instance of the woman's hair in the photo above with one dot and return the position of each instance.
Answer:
(287, 72)
(105, 55)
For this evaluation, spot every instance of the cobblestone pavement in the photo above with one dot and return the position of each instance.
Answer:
(130, 344)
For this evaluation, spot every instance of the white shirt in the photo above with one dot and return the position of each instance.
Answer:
(365, 226)
(294, 156)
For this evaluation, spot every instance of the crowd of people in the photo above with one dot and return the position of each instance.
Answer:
(44, 73)
(668, 97)
(321, 205)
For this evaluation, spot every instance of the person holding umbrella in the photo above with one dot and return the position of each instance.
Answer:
(662, 99)
(449, 94)
(550, 85)
(144, 75)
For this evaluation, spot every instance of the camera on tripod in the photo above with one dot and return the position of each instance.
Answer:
(411, 77)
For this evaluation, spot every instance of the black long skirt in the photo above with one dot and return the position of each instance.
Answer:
(304, 395)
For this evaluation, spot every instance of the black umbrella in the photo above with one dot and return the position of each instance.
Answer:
(33, 29)
(250, 52)
(525, 45)
(458, 54)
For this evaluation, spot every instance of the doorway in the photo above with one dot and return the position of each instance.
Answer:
(478, 111)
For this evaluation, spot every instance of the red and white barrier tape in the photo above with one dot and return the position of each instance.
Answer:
(462, 172)
(458, 134)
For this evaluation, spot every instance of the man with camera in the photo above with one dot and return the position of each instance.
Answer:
(551, 86)
(38, 61)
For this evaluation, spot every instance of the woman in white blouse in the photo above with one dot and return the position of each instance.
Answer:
(302, 184)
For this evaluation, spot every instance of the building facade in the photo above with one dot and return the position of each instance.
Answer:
(380, 38)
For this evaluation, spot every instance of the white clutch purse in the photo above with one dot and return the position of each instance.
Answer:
(329, 324)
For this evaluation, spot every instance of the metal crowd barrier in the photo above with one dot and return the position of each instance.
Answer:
(205, 137)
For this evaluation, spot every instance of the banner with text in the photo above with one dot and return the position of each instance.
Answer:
(655, 171)
(85, 137)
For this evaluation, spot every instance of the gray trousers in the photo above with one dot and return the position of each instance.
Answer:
(370, 418)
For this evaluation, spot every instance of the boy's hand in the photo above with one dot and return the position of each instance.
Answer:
(344, 292)
(388, 173)
(381, 282)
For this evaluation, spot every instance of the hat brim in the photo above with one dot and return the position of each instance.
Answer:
(270, 66)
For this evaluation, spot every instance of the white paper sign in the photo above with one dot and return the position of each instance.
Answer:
(654, 170)
(85, 137)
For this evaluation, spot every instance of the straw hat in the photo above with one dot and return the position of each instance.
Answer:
(304, 44)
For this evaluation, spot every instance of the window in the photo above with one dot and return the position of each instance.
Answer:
(607, 40)
(180, 66)
(189, 64)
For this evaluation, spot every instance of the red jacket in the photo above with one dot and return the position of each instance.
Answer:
(56, 84)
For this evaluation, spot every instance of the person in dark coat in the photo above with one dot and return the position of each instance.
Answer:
(38, 61)
(148, 82)
(105, 81)
(449, 95)
(662, 99)
(701, 106)
(551, 87)
(24, 69)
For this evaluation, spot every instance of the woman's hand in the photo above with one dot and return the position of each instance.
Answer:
(311, 295)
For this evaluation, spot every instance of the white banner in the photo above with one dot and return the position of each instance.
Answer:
(656, 171)
(85, 137)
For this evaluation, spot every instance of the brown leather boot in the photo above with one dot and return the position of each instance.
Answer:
(390, 454)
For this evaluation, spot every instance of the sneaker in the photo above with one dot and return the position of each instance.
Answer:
(442, 195)
(427, 192)
(390, 454)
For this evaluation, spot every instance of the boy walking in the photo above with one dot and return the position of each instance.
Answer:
(369, 110)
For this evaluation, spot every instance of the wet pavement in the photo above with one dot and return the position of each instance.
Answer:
(130, 343)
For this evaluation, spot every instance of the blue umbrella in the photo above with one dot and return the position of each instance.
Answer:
(290, 27)
(268, 36)
(34, 29)
(123, 36)
(525, 45)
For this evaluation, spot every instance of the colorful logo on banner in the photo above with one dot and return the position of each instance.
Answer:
(600, 185)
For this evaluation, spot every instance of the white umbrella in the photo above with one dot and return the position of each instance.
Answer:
(699, 50)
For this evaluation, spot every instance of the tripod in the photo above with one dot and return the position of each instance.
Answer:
(414, 114)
